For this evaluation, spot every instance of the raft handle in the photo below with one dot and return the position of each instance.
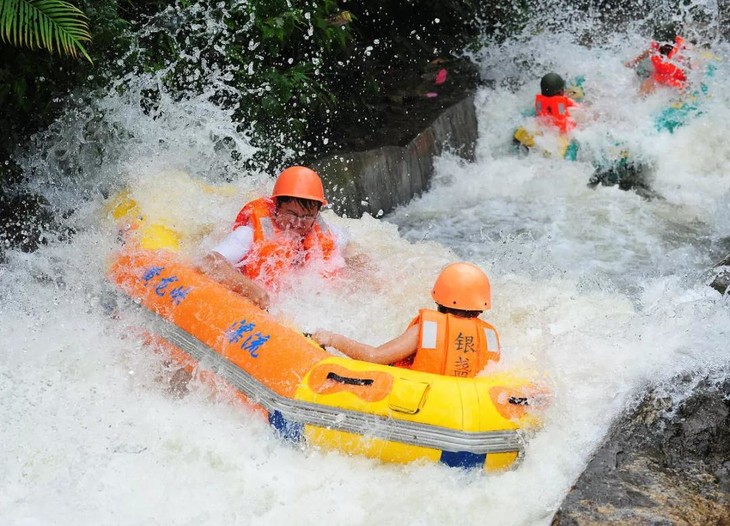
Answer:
(349, 381)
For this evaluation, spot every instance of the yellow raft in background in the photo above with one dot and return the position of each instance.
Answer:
(393, 414)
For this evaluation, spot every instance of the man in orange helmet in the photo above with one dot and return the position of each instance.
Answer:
(451, 340)
(274, 235)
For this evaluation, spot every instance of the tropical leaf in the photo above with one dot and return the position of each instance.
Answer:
(54, 25)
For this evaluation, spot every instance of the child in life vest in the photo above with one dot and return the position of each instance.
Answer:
(274, 235)
(450, 340)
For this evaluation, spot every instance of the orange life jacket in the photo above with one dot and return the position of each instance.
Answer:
(274, 252)
(452, 345)
(667, 70)
(553, 111)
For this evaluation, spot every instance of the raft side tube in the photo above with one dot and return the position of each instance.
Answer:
(219, 318)
(334, 416)
(391, 413)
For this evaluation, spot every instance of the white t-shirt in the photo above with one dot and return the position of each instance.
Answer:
(238, 243)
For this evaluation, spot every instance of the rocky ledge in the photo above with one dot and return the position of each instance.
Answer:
(665, 463)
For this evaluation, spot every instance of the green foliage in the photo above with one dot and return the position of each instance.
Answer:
(34, 85)
(297, 75)
(53, 25)
(270, 61)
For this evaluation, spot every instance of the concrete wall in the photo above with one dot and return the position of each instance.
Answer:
(383, 178)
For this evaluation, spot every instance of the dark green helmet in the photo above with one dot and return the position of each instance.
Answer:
(552, 84)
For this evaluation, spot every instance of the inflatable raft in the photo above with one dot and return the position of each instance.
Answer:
(532, 136)
(689, 105)
(309, 395)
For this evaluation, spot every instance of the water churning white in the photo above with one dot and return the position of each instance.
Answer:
(600, 290)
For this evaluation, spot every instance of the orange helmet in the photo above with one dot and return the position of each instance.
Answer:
(299, 181)
(463, 286)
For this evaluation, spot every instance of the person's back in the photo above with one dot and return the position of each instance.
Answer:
(552, 107)
(451, 341)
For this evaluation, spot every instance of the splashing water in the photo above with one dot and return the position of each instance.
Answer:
(602, 290)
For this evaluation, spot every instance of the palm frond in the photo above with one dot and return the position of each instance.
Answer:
(54, 25)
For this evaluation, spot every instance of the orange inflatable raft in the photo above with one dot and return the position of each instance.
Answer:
(309, 395)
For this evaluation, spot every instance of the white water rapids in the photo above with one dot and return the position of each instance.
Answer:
(600, 290)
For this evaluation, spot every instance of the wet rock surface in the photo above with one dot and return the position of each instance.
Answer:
(627, 176)
(665, 463)
(382, 156)
(26, 220)
(375, 181)
(721, 282)
(410, 99)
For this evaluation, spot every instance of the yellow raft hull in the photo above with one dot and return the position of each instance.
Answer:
(384, 412)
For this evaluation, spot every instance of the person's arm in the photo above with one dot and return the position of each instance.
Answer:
(221, 270)
(634, 61)
(356, 259)
(578, 112)
(219, 264)
(356, 262)
(397, 349)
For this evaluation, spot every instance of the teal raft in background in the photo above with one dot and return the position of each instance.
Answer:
(614, 165)
(682, 111)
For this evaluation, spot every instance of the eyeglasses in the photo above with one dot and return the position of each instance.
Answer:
(294, 218)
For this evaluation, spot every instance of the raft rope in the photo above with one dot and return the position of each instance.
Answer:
(307, 413)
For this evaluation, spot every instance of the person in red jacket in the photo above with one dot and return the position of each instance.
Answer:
(552, 107)
(275, 235)
(552, 111)
(450, 340)
(668, 66)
